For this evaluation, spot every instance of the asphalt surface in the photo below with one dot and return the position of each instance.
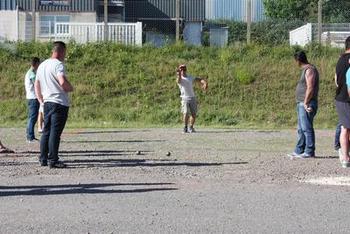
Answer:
(213, 181)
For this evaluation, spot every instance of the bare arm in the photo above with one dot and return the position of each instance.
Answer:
(336, 80)
(38, 91)
(202, 82)
(66, 86)
(178, 78)
(310, 83)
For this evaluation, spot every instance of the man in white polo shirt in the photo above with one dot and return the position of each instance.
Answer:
(33, 103)
(188, 98)
(52, 88)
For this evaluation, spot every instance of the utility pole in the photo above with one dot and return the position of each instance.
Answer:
(33, 21)
(177, 20)
(249, 20)
(319, 26)
(105, 14)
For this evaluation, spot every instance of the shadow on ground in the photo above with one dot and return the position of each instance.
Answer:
(142, 163)
(82, 132)
(112, 141)
(105, 163)
(81, 153)
(96, 188)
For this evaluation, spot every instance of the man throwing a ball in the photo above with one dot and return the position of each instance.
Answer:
(189, 102)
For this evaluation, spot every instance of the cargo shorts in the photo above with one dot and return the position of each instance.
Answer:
(189, 107)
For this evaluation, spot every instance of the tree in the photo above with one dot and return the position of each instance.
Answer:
(334, 11)
(337, 11)
(288, 9)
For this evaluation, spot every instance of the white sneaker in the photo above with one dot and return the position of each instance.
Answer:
(340, 154)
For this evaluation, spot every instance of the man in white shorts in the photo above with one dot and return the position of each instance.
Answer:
(188, 98)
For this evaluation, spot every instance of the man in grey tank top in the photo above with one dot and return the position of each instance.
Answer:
(306, 98)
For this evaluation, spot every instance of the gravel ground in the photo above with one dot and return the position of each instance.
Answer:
(213, 181)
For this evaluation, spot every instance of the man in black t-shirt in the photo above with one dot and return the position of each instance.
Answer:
(342, 102)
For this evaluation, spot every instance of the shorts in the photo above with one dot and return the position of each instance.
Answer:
(343, 110)
(189, 107)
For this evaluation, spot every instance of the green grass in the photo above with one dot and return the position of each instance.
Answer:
(119, 86)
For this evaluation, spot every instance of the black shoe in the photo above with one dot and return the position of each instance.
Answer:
(43, 163)
(57, 164)
(185, 130)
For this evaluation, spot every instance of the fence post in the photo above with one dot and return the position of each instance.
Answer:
(177, 9)
(138, 32)
(249, 20)
(319, 24)
(33, 21)
(105, 20)
(17, 24)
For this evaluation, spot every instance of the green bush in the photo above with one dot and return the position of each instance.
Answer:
(244, 75)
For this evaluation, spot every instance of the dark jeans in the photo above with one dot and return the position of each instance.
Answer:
(55, 118)
(33, 110)
(337, 136)
(306, 132)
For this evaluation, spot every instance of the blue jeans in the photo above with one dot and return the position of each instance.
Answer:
(337, 136)
(306, 132)
(55, 118)
(33, 110)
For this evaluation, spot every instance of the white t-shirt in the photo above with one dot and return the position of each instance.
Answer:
(47, 75)
(186, 88)
(29, 84)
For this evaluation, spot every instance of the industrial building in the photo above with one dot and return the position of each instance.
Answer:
(158, 17)
(16, 16)
(234, 10)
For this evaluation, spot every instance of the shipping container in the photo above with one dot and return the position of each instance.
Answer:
(234, 10)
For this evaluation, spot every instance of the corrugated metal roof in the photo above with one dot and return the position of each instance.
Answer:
(190, 10)
(50, 5)
(7, 4)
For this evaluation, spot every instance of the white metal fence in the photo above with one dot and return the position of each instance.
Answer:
(301, 36)
(124, 33)
(332, 34)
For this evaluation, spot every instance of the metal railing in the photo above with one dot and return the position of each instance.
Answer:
(124, 33)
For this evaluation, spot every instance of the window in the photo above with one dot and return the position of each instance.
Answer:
(47, 23)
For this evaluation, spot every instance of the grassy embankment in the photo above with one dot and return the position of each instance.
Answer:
(118, 86)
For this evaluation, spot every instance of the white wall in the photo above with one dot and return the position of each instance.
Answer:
(18, 25)
(88, 17)
(75, 17)
(8, 25)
